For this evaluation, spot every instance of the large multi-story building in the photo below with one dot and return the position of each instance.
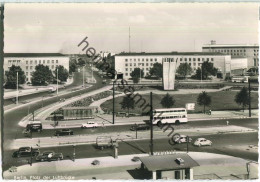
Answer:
(125, 63)
(28, 61)
(251, 52)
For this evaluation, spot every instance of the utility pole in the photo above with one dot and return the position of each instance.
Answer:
(151, 122)
(57, 81)
(17, 91)
(113, 102)
(33, 115)
(249, 98)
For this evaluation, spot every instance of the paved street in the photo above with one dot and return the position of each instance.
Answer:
(235, 144)
(12, 118)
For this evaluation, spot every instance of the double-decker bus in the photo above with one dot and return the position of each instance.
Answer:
(170, 115)
(239, 79)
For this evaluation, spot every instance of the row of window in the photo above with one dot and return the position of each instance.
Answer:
(14, 61)
(139, 64)
(172, 59)
(147, 59)
(42, 61)
(32, 67)
(170, 117)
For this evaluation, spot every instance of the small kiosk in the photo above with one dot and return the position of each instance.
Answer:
(175, 166)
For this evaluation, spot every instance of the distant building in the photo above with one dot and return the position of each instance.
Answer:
(251, 52)
(28, 61)
(125, 63)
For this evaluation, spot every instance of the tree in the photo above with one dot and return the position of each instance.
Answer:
(184, 69)
(72, 66)
(156, 70)
(167, 101)
(204, 99)
(63, 73)
(11, 77)
(127, 103)
(81, 62)
(207, 70)
(42, 75)
(136, 74)
(242, 98)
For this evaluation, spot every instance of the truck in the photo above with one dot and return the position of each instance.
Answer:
(104, 142)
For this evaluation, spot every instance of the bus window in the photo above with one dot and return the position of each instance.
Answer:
(183, 116)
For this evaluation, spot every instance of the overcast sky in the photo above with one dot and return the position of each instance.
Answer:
(154, 27)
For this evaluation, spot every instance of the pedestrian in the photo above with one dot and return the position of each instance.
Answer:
(227, 123)
(209, 112)
(103, 124)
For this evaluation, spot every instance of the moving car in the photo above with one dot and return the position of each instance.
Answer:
(95, 162)
(34, 126)
(202, 142)
(26, 152)
(63, 132)
(181, 139)
(89, 124)
(49, 156)
(140, 127)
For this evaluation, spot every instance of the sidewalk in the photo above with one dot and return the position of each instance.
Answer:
(125, 136)
(33, 89)
(226, 167)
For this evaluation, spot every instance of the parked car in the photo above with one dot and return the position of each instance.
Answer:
(49, 156)
(202, 142)
(89, 124)
(95, 162)
(181, 139)
(63, 132)
(140, 127)
(26, 152)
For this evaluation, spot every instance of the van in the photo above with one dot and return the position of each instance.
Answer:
(34, 126)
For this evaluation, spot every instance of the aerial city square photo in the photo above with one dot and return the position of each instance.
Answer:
(129, 91)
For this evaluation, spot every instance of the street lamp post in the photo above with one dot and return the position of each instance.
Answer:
(42, 101)
(74, 152)
(83, 84)
(17, 91)
(201, 74)
(113, 102)
(92, 72)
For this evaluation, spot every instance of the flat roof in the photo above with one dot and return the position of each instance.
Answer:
(168, 53)
(170, 109)
(230, 46)
(168, 162)
(33, 55)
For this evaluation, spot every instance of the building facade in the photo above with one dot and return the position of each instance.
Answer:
(28, 61)
(251, 52)
(125, 63)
